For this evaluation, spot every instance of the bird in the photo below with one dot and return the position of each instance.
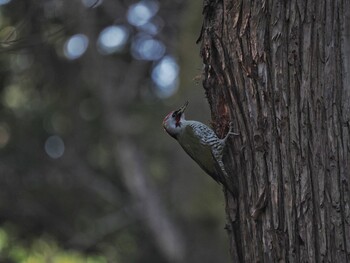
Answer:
(201, 143)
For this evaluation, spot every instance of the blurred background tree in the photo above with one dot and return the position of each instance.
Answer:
(86, 172)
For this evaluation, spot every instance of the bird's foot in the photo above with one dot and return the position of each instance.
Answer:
(230, 132)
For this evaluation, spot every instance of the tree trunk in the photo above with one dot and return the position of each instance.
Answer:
(280, 72)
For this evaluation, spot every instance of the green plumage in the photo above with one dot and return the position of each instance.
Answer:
(201, 153)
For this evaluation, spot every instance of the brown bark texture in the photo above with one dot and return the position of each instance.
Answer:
(279, 71)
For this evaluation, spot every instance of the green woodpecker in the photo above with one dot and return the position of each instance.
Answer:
(200, 143)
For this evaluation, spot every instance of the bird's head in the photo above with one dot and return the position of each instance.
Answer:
(173, 121)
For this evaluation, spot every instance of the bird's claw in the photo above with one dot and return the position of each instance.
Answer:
(230, 131)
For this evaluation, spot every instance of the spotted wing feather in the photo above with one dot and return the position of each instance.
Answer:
(199, 148)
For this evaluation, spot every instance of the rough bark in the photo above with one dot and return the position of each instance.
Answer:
(279, 70)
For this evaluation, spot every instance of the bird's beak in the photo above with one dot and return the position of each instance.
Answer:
(183, 108)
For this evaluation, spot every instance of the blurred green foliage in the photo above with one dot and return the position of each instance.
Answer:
(40, 250)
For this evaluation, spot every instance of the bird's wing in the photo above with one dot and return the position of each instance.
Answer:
(199, 152)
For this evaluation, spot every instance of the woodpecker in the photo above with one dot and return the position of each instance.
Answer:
(200, 143)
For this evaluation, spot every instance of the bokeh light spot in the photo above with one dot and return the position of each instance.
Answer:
(15, 97)
(76, 46)
(61, 123)
(4, 2)
(151, 28)
(144, 47)
(165, 76)
(140, 13)
(112, 39)
(54, 147)
(21, 99)
(22, 61)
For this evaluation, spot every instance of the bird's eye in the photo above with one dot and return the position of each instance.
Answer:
(174, 115)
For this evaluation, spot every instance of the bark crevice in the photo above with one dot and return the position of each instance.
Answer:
(280, 72)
